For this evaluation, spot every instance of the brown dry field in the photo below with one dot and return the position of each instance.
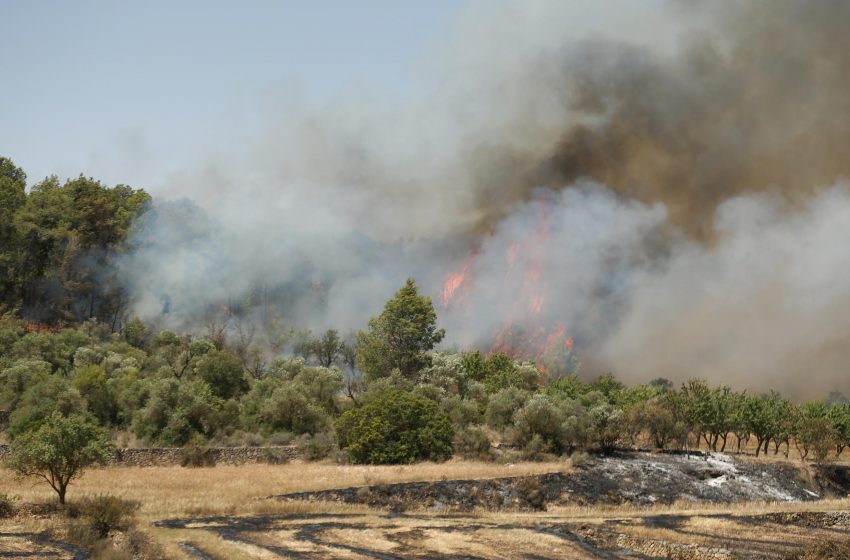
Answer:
(223, 513)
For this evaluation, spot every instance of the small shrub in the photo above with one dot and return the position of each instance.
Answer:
(579, 459)
(105, 513)
(142, 546)
(472, 443)
(274, 456)
(316, 447)
(363, 493)
(82, 535)
(530, 490)
(196, 455)
(7, 506)
(537, 449)
(280, 438)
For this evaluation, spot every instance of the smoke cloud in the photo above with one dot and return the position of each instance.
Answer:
(681, 209)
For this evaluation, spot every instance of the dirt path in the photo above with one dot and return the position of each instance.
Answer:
(33, 545)
(399, 536)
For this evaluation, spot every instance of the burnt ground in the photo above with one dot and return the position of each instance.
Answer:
(445, 526)
(635, 478)
(436, 519)
(398, 536)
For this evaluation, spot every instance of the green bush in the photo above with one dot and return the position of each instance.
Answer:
(7, 506)
(274, 456)
(462, 412)
(531, 491)
(105, 513)
(503, 405)
(288, 409)
(472, 443)
(177, 411)
(316, 447)
(539, 417)
(195, 454)
(396, 428)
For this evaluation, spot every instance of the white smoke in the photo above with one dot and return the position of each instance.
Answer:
(686, 254)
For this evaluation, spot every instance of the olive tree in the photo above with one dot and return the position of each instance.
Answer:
(59, 450)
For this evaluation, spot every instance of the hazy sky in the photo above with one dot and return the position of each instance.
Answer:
(112, 89)
(133, 92)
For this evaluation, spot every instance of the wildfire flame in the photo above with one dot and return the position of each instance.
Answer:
(523, 292)
(41, 328)
(456, 280)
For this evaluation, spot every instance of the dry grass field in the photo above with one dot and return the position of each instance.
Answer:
(223, 512)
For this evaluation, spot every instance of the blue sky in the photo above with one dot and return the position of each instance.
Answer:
(126, 91)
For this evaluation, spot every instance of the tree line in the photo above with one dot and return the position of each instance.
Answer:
(58, 242)
(381, 395)
(171, 389)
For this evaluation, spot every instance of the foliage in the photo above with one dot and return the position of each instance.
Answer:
(58, 242)
(316, 447)
(400, 337)
(177, 410)
(396, 427)
(223, 372)
(7, 506)
(197, 454)
(105, 513)
(658, 421)
(472, 443)
(540, 418)
(59, 450)
(40, 400)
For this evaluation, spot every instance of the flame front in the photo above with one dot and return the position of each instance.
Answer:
(454, 281)
(528, 331)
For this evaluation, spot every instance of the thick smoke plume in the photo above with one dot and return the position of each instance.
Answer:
(680, 210)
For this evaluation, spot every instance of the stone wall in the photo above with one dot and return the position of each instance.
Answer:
(167, 456)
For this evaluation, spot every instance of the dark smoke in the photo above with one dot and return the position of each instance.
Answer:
(696, 200)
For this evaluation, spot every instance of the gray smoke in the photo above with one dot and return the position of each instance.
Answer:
(680, 209)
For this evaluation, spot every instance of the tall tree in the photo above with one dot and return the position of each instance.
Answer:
(12, 196)
(400, 337)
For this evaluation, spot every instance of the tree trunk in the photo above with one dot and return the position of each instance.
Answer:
(723, 447)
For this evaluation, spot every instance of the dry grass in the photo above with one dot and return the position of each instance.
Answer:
(233, 490)
(176, 492)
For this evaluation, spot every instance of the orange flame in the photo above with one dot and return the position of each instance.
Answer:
(41, 328)
(455, 280)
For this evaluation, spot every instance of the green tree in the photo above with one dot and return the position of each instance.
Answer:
(400, 337)
(396, 428)
(177, 411)
(92, 384)
(59, 450)
(40, 400)
(839, 418)
(223, 372)
(12, 196)
(327, 348)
